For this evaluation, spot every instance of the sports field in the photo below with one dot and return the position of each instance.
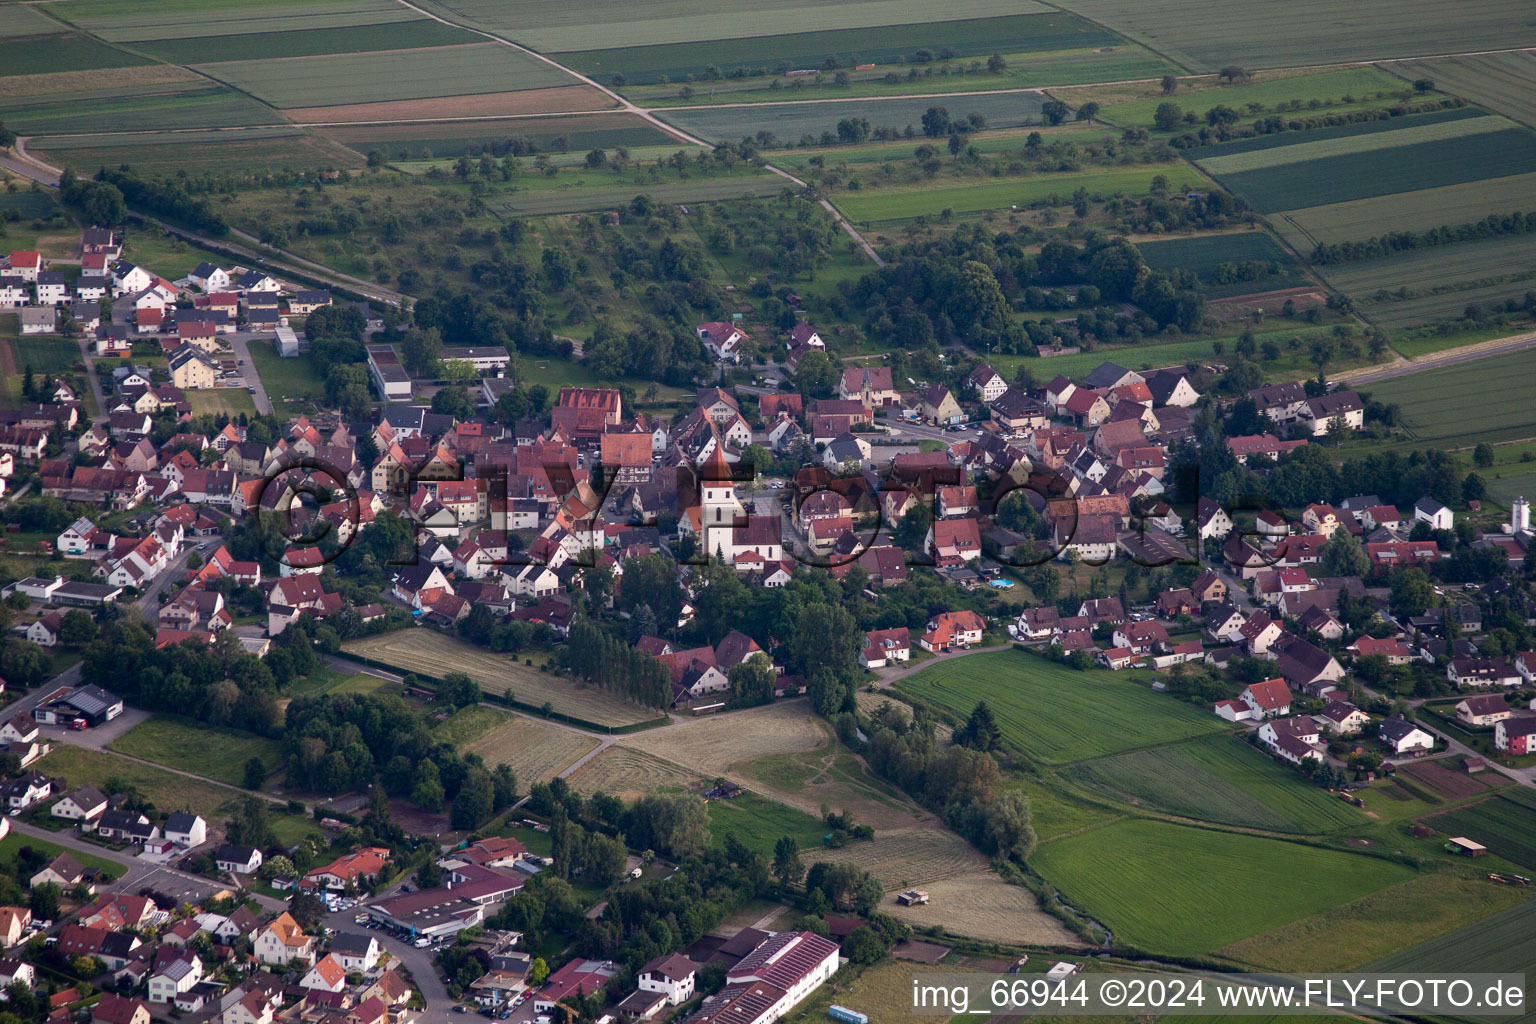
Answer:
(1170, 889)
(903, 203)
(388, 75)
(197, 747)
(1505, 82)
(1219, 779)
(1460, 405)
(1054, 714)
(431, 653)
(1209, 34)
(791, 121)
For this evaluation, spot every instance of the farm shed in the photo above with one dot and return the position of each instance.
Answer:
(912, 897)
(1465, 847)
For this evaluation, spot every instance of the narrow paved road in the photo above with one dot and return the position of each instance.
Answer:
(1450, 357)
(239, 341)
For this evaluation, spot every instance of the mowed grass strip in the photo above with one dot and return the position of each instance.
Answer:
(1505, 82)
(430, 653)
(1219, 779)
(760, 823)
(166, 790)
(60, 51)
(1381, 172)
(422, 32)
(1419, 210)
(1170, 889)
(1055, 714)
(1482, 399)
(1022, 33)
(211, 751)
(1302, 147)
(991, 194)
(389, 75)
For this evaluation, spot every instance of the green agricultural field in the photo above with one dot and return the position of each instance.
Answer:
(1504, 942)
(587, 24)
(26, 20)
(125, 20)
(1300, 147)
(1382, 171)
(1480, 400)
(197, 747)
(450, 139)
(388, 75)
(1420, 210)
(1328, 89)
(1054, 714)
(1219, 779)
(166, 107)
(793, 121)
(1505, 82)
(573, 200)
(26, 204)
(884, 45)
(1204, 254)
(229, 402)
(268, 147)
(166, 790)
(423, 32)
(1208, 34)
(1505, 486)
(1290, 140)
(46, 355)
(60, 51)
(1169, 889)
(1506, 827)
(1438, 283)
(759, 823)
(870, 206)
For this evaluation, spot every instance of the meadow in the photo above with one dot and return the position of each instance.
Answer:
(1209, 34)
(1438, 283)
(1479, 400)
(1506, 826)
(211, 751)
(759, 823)
(1505, 82)
(1382, 169)
(1135, 104)
(1219, 779)
(292, 382)
(792, 121)
(166, 790)
(389, 75)
(60, 51)
(871, 206)
(45, 355)
(230, 402)
(881, 45)
(587, 24)
(431, 653)
(395, 35)
(1171, 889)
(1054, 714)
(631, 774)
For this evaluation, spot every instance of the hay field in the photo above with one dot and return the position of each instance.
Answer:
(713, 746)
(389, 75)
(431, 653)
(630, 774)
(535, 750)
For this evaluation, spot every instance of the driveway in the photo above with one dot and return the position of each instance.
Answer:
(240, 342)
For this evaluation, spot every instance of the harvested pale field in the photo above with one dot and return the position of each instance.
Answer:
(81, 81)
(631, 774)
(966, 898)
(559, 100)
(536, 751)
(430, 653)
(869, 703)
(712, 746)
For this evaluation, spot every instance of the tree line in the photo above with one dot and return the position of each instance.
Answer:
(1491, 226)
(599, 657)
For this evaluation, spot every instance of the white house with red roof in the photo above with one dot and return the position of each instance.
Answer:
(884, 647)
(950, 629)
(723, 340)
(1270, 698)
